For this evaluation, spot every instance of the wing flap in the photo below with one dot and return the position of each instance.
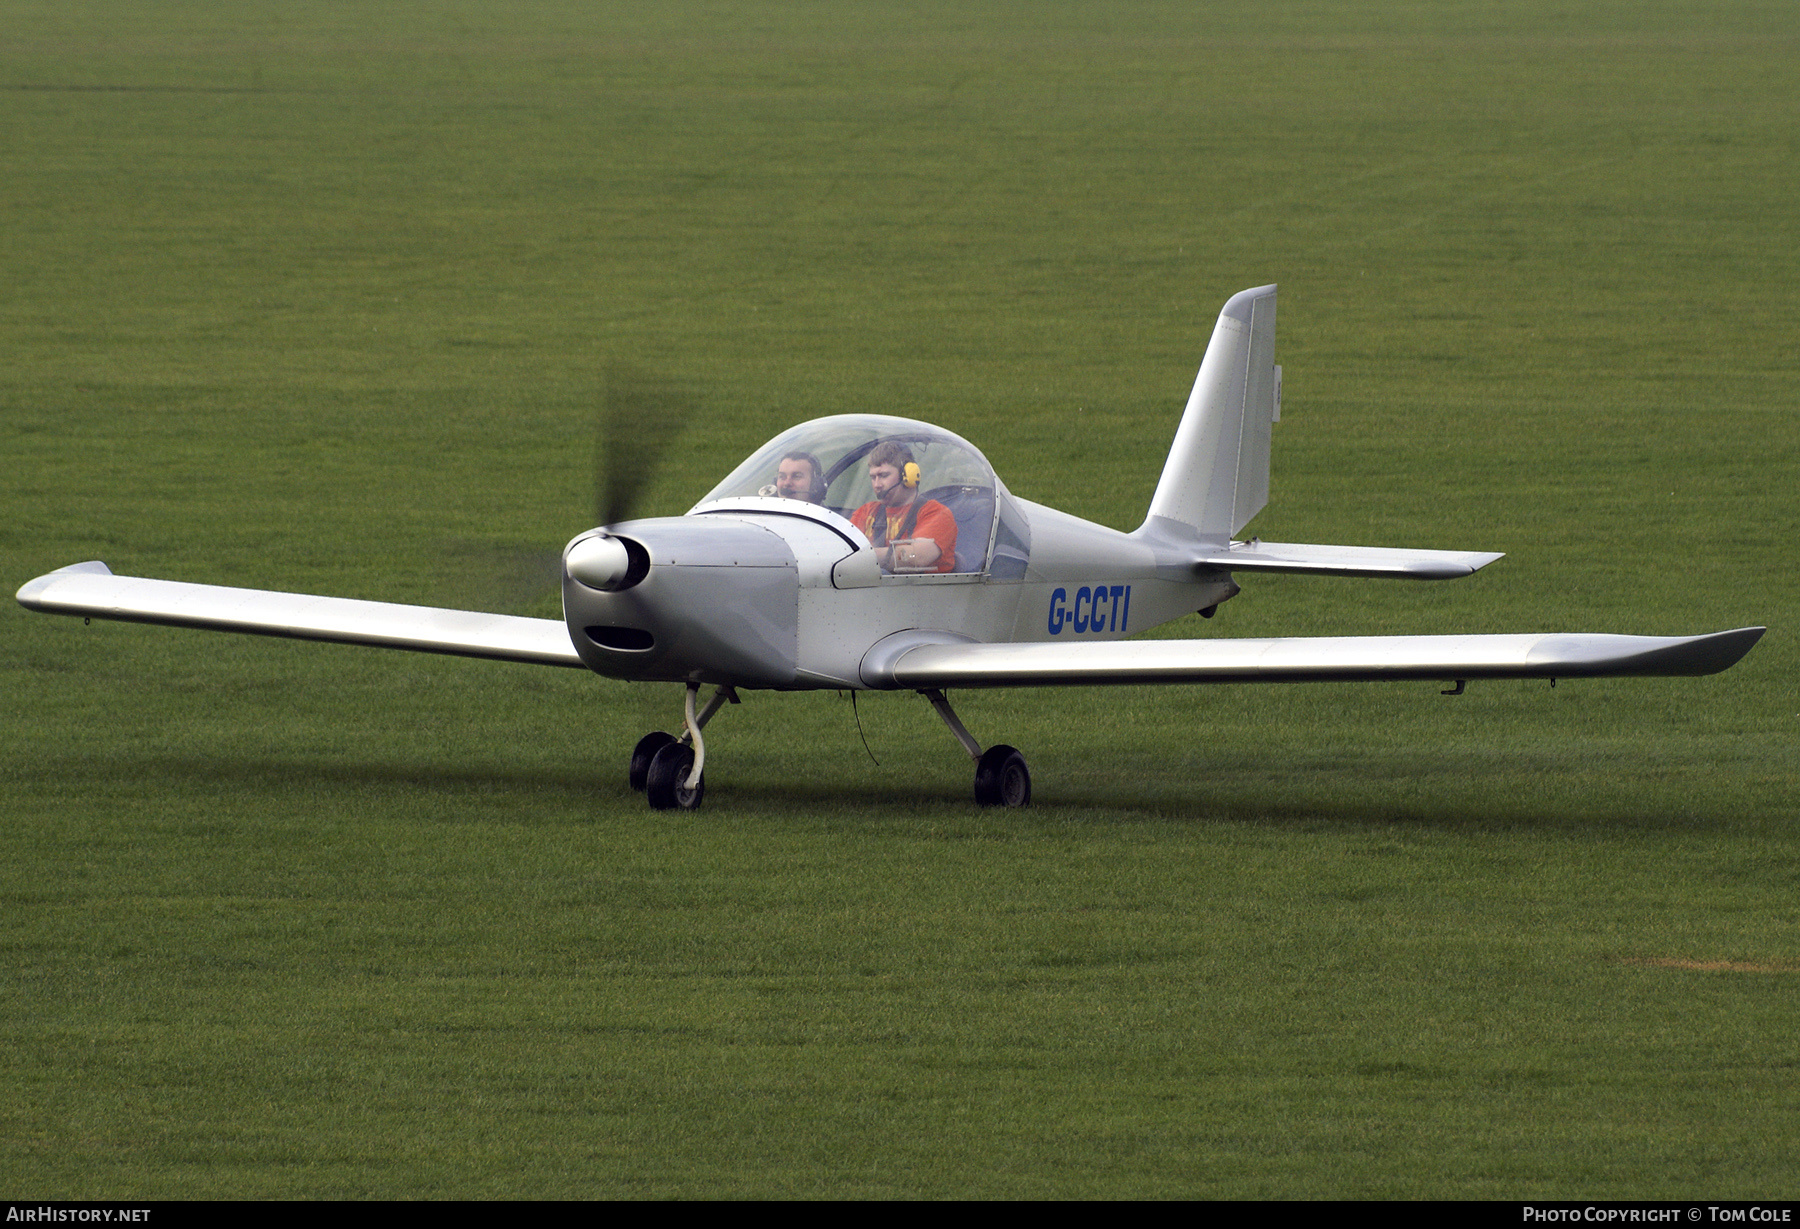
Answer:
(1372, 561)
(1310, 659)
(91, 590)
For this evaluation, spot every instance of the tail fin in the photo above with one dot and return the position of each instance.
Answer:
(1217, 474)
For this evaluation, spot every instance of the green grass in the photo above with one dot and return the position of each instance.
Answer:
(318, 297)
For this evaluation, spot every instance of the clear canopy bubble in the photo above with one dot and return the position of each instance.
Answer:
(952, 472)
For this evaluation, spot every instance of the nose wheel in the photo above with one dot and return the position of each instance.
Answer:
(670, 771)
(672, 781)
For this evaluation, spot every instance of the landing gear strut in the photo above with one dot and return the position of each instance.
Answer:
(1001, 777)
(668, 770)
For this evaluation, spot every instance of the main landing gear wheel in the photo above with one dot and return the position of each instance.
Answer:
(1001, 778)
(666, 782)
(643, 753)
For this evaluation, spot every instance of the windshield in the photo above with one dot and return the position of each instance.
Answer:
(827, 462)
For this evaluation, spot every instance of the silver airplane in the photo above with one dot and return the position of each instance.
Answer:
(867, 552)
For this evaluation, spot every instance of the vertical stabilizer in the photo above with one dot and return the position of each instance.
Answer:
(1217, 474)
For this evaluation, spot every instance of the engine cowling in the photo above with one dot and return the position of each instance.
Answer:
(684, 599)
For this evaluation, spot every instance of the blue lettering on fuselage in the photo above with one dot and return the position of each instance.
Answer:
(1097, 609)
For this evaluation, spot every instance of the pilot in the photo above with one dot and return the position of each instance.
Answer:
(910, 534)
(799, 476)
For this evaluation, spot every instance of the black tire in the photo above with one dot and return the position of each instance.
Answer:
(666, 786)
(643, 753)
(1001, 778)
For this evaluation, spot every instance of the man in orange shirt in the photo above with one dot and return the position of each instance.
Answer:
(910, 534)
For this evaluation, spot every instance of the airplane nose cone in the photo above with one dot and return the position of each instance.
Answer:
(598, 562)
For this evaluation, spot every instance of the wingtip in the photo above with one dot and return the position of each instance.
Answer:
(31, 590)
(1740, 640)
(1721, 650)
(1589, 656)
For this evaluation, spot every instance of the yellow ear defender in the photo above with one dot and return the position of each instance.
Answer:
(909, 476)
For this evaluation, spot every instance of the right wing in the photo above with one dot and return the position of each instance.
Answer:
(92, 590)
(926, 660)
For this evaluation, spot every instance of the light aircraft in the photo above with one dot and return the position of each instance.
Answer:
(753, 589)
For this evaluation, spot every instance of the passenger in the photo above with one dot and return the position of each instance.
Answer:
(799, 476)
(910, 534)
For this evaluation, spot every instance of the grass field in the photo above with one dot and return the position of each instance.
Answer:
(318, 296)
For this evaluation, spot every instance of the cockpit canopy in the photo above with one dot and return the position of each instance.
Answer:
(991, 534)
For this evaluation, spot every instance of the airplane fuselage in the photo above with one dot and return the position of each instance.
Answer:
(793, 598)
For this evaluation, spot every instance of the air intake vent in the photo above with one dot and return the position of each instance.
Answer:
(623, 639)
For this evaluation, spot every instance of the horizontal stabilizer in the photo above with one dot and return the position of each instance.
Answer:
(90, 589)
(1373, 561)
(1313, 659)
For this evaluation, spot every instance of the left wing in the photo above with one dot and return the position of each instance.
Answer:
(921, 664)
(91, 589)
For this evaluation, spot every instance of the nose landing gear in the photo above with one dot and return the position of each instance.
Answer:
(672, 781)
(668, 770)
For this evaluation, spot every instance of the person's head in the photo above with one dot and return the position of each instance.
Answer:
(888, 472)
(799, 477)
